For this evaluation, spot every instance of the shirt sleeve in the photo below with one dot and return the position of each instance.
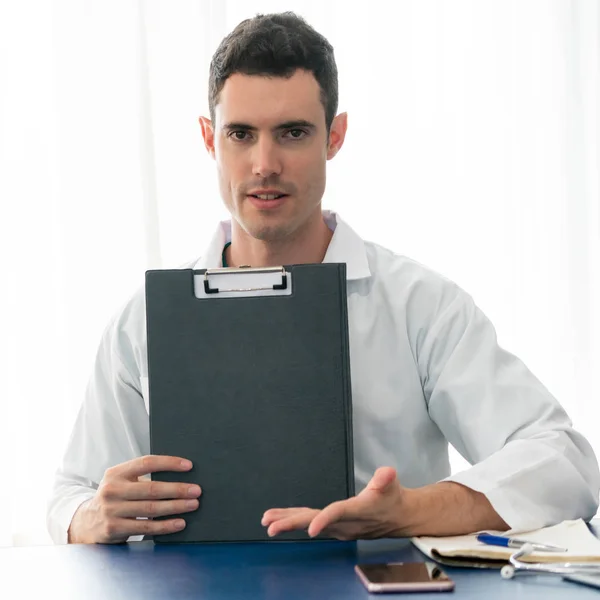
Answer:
(111, 427)
(533, 467)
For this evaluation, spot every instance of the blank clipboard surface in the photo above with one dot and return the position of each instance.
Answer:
(255, 391)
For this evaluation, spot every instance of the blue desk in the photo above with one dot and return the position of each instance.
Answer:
(286, 570)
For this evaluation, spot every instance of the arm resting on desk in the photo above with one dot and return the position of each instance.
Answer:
(527, 459)
(386, 509)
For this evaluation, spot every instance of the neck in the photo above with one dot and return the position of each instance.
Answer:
(307, 245)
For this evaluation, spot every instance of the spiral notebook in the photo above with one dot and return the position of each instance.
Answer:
(465, 551)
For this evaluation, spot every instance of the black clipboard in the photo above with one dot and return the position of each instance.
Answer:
(249, 378)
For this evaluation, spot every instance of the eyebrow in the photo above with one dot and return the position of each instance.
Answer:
(286, 125)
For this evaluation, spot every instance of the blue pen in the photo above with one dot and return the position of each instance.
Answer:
(507, 542)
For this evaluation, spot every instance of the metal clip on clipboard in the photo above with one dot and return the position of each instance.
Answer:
(244, 269)
(251, 281)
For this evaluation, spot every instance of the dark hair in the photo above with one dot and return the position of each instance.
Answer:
(275, 45)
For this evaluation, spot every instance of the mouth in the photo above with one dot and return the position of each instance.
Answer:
(267, 201)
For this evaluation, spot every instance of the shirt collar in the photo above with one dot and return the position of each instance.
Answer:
(346, 246)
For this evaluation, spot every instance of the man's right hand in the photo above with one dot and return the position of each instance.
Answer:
(111, 515)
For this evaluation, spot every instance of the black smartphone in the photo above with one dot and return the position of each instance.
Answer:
(404, 577)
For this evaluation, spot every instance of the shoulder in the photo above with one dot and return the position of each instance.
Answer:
(409, 279)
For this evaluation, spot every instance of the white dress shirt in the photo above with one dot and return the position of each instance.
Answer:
(426, 370)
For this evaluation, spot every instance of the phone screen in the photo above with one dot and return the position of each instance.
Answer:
(405, 575)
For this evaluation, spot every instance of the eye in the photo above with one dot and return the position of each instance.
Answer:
(239, 135)
(296, 134)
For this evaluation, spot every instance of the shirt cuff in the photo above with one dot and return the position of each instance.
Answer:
(61, 515)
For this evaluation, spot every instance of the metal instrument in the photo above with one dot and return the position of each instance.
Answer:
(517, 566)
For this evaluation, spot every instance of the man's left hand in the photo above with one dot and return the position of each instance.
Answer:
(376, 512)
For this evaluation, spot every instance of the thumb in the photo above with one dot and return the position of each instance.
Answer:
(383, 479)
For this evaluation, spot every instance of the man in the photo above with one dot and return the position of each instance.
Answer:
(426, 367)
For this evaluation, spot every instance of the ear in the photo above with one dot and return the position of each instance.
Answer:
(208, 134)
(337, 134)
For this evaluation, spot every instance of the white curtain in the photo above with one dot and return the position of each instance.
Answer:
(473, 147)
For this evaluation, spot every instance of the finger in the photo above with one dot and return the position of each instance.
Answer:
(148, 490)
(155, 508)
(119, 529)
(331, 514)
(300, 520)
(275, 514)
(382, 479)
(151, 463)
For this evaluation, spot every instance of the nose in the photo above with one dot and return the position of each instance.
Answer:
(265, 160)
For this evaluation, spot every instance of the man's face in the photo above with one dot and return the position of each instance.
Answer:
(270, 144)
